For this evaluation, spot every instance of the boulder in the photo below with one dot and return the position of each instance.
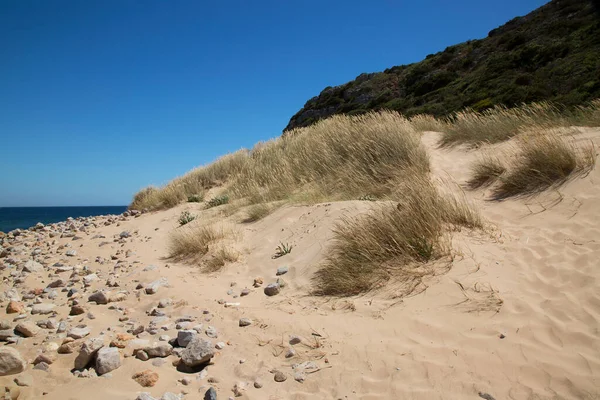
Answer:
(107, 359)
(11, 361)
(197, 352)
(88, 350)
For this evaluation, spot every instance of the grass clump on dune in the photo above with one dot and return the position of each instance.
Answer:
(500, 123)
(392, 242)
(193, 242)
(257, 212)
(544, 161)
(485, 171)
(222, 256)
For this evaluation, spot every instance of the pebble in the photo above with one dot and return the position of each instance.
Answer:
(211, 394)
(279, 376)
(282, 271)
(245, 322)
(272, 289)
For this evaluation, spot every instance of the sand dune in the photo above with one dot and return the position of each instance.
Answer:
(515, 317)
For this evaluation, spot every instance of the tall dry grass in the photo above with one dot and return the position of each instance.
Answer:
(193, 241)
(394, 241)
(545, 160)
(500, 123)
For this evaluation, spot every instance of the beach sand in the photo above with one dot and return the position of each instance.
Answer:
(514, 316)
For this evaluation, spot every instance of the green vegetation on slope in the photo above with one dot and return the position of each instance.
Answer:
(552, 54)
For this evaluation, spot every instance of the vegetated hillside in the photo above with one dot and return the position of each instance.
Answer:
(552, 54)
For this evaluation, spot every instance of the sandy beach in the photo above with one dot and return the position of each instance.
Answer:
(513, 315)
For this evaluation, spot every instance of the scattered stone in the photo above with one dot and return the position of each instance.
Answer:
(272, 289)
(42, 366)
(184, 337)
(171, 396)
(245, 322)
(220, 346)
(159, 350)
(290, 352)
(245, 292)
(282, 271)
(258, 384)
(258, 282)
(27, 329)
(198, 351)
(211, 332)
(108, 359)
(153, 287)
(142, 355)
(15, 307)
(47, 358)
(11, 361)
(211, 394)
(164, 303)
(42, 308)
(77, 310)
(299, 376)
(78, 332)
(147, 378)
(144, 396)
(295, 339)
(71, 253)
(280, 376)
(88, 350)
(99, 297)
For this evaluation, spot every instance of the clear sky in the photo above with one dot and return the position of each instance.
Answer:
(99, 98)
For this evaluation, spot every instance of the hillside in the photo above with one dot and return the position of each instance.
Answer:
(551, 54)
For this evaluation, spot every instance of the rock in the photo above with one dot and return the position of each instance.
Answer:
(184, 337)
(171, 396)
(211, 332)
(88, 350)
(272, 289)
(121, 340)
(245, 292)
(42, 366)
(164, 303)
(280, 376)
(32, 266)
(159, 350)
(68, 346)
(27, 329)
(15, 307)
(11, 361)
(198, 351)
(77, 310)
(282, 271)
(100, 297)
(24, 380)
(245, 322)
(142, 355)
(299, 376)
(78, 332)
(124, 234)
(290, 352)
(220, 346)
(42, 308)
(258, 384)
(147, 378)
(257, 282)
(281, 283)
(71, 253)
(47, 358)
(6, 333)
(144, 396)
(56, 284)
(211, 394)
(117, 297)
(153, 287)
(4, 324)
(108, 359)
(295, 339)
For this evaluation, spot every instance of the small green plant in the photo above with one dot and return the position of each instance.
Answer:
(367, 197)
(195, 198)
(186, 217)
(217, 201)
(282, 250)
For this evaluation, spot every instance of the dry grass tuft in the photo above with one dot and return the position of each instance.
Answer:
(219, 259)
(393, 241)
(428, 123)
(500, 123)
(545, 161)
(485, 171)
(257, 212)
(193, 242)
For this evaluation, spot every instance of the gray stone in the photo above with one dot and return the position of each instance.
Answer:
(144, 396)
(124, 234)
(153, 287)
(211, 394)
(198, 351)
(78, 332)
(71, 253)
(272, 289)
(282, 271)
(32, 266)
(171, 396)
(108, 359)
(11, 361)
(42, 308)
(43, 366)
(88, 350)
(100, 297)
(295, 339)
(280, 376)
(159, 350)
(184, 337)
(245, 322)
(211, 332)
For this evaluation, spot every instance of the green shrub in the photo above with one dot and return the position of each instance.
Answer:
(217, 201)
(196, 198)
(185, 218)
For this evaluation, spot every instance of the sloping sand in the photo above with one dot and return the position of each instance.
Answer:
(516, 316)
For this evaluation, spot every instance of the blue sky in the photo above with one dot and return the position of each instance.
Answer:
(100, 98)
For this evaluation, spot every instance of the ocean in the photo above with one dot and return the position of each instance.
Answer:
(25, 217)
